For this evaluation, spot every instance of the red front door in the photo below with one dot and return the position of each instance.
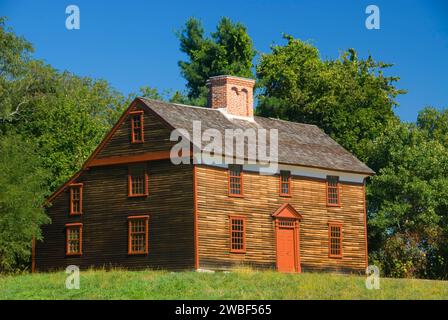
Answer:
(285, 250)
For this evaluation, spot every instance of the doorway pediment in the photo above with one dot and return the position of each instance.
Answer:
(287, 211)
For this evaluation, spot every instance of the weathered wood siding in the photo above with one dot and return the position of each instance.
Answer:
(156, 134)
(106, 207)
(170, 206)
(261, 199)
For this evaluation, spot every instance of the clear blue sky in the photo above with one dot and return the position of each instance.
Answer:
(132, 43)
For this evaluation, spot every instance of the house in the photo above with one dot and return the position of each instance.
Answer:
(134, 205)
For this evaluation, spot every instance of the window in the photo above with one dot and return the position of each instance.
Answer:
(137, 127)
(236, 180)
(237, 234)
(76, 199)
(334, 240)
(137, 181)
(333, 197)
(138, 234)
(73, 239)
(285, 183)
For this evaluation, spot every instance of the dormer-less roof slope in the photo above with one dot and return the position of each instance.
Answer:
(298, 144)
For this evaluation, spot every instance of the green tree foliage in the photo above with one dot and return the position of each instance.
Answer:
(165, 95)
(50, 122)
(229, 50)
(349, 98)
(179, 97)
(352, 100)
(65, 115)
(408, 200)
(434, 123)
(22, 190)
(150, 93)
(14, 58)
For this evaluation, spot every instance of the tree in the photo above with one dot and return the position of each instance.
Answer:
(349, 98)
(150, 93)
(434, 123)
(352, 100)
(229, 50)
(165, 95)
(50, 122)
(408, 201)
(22, 191)
(65, 115)
(14, 59)
(179, 97)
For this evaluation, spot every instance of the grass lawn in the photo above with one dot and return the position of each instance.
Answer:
(240, 284)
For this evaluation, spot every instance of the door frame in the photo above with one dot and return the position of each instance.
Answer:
(286, 217)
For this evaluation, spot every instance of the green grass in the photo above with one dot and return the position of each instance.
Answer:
(239, 284)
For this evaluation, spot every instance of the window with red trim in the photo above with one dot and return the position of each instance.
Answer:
(76, 199)
(335, 240)
(236, 180)
(73, 239)
(137, 135)
(137, 181)
(333, 196)
(237, 234)
(285, 183)
(138, 234)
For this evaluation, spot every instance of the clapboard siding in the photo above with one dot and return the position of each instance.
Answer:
(105, 210)
(260, 200)
(171, 209)
(156, 134)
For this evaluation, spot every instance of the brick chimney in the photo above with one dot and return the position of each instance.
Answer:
(235, 94)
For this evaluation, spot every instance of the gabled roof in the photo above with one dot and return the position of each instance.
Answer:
(298, 143)
(97, 150)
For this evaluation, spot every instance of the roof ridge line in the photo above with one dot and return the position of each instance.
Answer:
(278, 119)
(178, 104)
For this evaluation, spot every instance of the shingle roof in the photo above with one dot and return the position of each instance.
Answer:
(298, 143)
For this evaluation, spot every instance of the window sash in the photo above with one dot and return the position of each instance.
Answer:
(138, 184)
(76, 199)
(138, 235)
(74, 239)
(285, 183)
(237, 234)
(137, 133)
(333, 193)
(335, 240)
(235, 180)
(137, 181)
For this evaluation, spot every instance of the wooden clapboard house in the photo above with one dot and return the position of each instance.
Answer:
(130, 206)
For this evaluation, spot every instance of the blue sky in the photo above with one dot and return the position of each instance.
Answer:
(133, 43)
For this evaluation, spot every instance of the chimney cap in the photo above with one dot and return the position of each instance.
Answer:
(226, 76)
(235, 94)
